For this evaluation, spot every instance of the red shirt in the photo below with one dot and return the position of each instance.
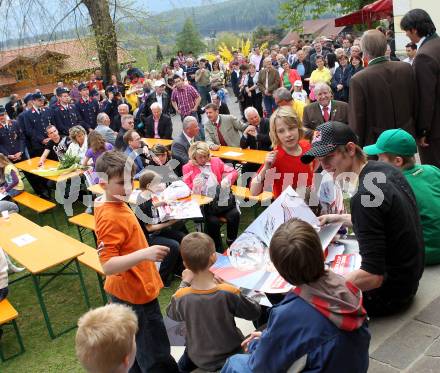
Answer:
(289, 167)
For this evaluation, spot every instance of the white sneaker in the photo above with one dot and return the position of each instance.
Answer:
(89, 210)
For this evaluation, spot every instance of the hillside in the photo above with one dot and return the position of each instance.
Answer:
(232, 15)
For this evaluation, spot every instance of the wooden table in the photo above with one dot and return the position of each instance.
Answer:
(39, 256)
(240, 155)
(201, 200)
(31, 166)
(152, 142)
(89, 258)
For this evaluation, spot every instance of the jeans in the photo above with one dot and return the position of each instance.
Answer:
(153, 352)
(170, 238)
(204, 94)
(269, 105)
(4, 293)
(237, 364)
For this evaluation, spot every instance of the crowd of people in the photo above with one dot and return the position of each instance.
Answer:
(338, 109)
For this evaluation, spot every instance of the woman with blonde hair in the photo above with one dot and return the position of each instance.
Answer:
(287, 134)
(204, 174)
(78, 147)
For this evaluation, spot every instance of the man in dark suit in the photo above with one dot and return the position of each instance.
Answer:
(158, 125)
(304, 68)
(258, 136)
(382, 96)
(160, 96)
(421, 30)
(323, 110)
(180, 145)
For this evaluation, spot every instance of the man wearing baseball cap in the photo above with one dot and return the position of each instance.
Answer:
(397, 147)
(87, 108)
(382, 216)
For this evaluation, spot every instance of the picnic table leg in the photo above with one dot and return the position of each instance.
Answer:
(101, 287)
(20, 340)
(43, 306)
(83, 285)
(79, 233)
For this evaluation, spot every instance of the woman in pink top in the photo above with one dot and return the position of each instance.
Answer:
(203, 174)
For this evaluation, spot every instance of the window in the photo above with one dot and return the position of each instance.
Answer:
(21, 74)
(48, 70)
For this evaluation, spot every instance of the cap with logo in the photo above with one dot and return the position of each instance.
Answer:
(297, 83)
(38, 96)
(82, 86)
(327, 137)
(27, 98)
(395, 141)
(60, 90)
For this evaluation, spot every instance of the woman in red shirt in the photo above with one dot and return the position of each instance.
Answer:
(283, 166)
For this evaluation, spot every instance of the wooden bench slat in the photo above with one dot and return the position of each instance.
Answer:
(84, 220)
(245, 193)
(7, 312)
(33, 202)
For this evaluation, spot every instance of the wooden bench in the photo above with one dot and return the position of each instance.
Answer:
(8, 314)
(90, 258)
(83, 222)
(35, 203)
(244, 193)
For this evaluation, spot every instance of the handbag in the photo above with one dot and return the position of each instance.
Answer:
(223, 201)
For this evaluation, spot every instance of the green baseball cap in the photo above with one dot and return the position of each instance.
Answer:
(396, 141)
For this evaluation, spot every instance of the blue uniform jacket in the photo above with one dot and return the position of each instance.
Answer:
(295, 328)
(64, 118)
(87, 112)
(35, 124)
(11, 139)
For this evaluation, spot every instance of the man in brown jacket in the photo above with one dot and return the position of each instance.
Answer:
(268, 81)
(382, 96)
(323, 110)
(421, 30)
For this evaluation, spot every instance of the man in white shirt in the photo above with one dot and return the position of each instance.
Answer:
(256, 58)
(411, 51)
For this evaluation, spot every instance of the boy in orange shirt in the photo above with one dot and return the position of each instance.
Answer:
(131, 274)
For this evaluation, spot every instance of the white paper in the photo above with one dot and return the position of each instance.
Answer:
(334, 250)
(180, 210)
(24, 239)
(232, 154)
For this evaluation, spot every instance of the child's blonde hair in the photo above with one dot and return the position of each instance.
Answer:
(105, 337)
(288, 116)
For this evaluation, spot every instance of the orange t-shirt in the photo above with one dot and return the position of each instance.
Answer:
(119, 229)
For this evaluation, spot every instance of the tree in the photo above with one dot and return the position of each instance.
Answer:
(189, 38)
(159, 56)
(294, 12)
(105, 36)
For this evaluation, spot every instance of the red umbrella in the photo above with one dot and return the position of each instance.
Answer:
(378, 10)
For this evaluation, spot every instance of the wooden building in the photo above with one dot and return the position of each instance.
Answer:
(40, 66)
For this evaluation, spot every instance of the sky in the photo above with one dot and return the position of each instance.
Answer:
(41, 19)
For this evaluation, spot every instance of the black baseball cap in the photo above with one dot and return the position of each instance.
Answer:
(27, 98)
(326, 138)
(38, 96)
(60, 90)
(82, 86)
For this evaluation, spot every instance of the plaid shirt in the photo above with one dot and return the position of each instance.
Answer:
(185, 99)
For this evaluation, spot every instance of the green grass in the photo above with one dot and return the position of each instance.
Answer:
(65, 304)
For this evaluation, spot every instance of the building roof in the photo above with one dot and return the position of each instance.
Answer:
(315, 27)
(76, 55)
